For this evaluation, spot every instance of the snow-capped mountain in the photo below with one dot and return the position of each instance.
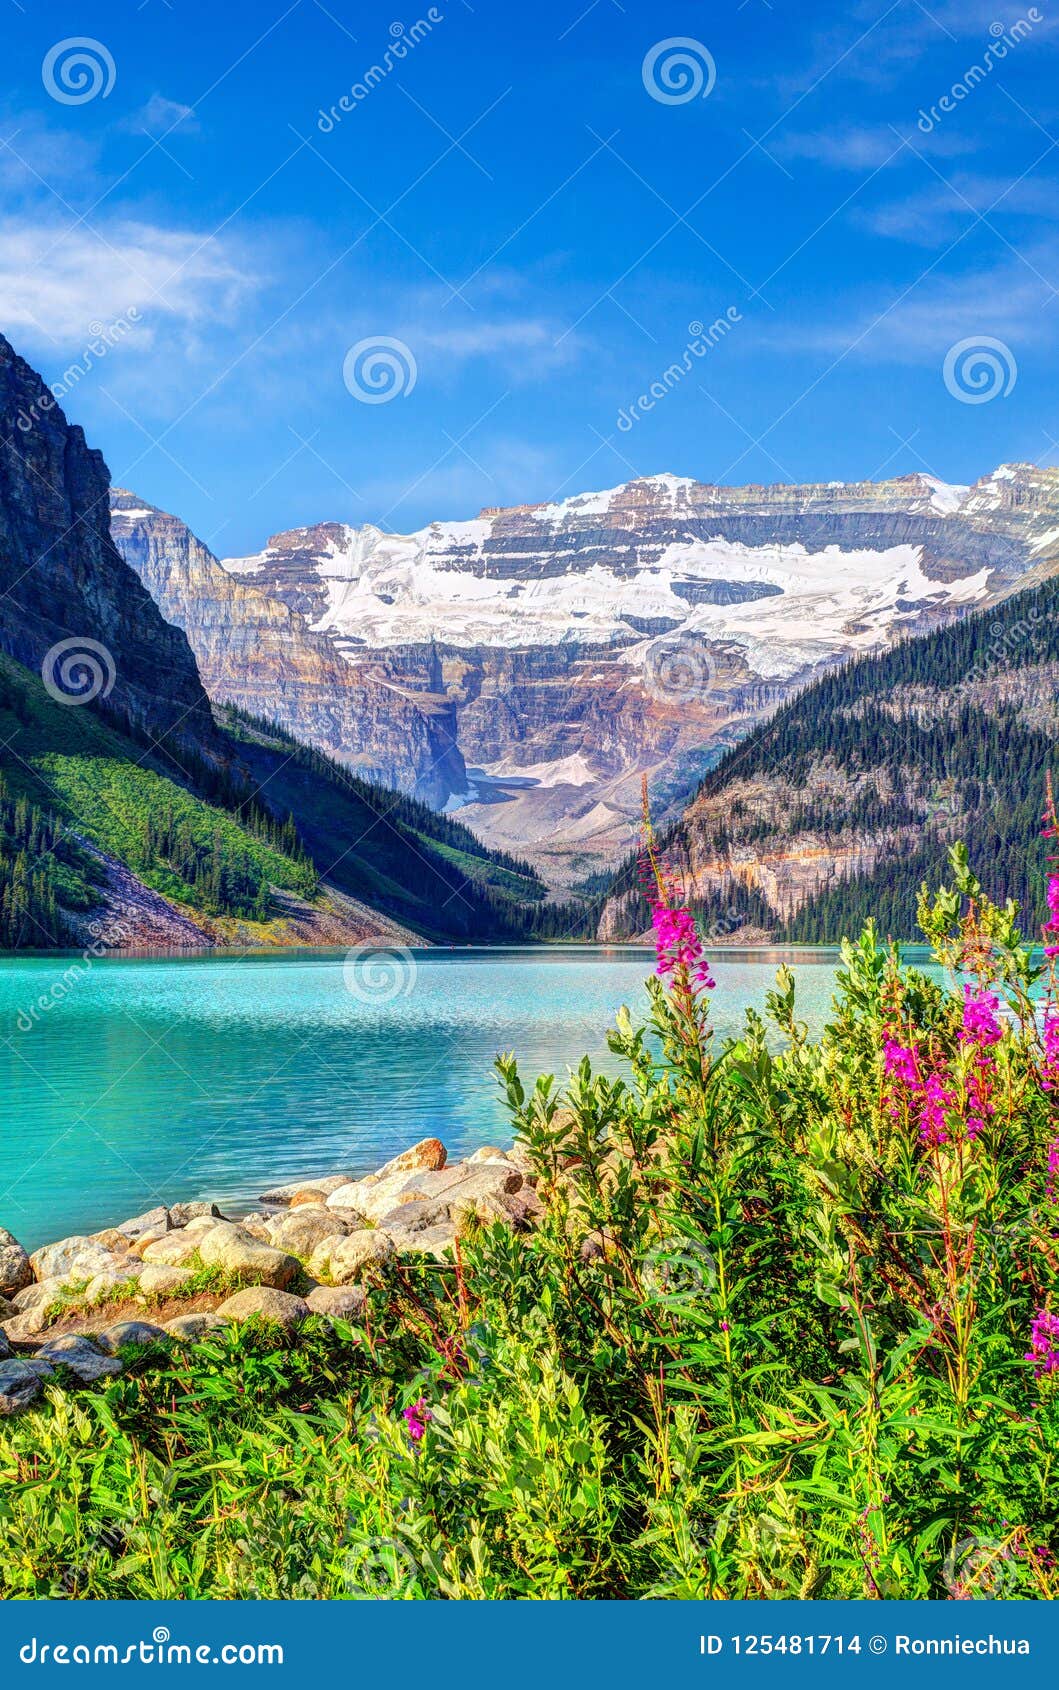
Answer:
(642, 628)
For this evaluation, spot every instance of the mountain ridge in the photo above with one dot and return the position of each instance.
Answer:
(573, 645)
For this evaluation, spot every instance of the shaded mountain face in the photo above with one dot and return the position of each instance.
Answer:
(646, 628)
(63, 582)
(255, 650)
(843, 804)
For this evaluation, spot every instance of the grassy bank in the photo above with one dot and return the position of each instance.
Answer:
(784, 1329)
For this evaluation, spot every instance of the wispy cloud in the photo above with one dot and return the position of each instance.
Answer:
(867, 147)
(1008, 301)
(932, 217)
(161, 115)
(58, 278)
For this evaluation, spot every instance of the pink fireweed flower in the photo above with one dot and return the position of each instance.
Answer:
(936, 1102)
(899, 1062)
(1053, 1170)
(1044, 1338)
(1051, 926)
(1050, 1041)
(416, 1417)
(677, 944)
(981, 1025)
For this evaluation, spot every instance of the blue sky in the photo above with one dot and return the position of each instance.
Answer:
(509, 201)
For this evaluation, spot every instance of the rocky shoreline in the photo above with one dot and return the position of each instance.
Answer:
(76, 1308)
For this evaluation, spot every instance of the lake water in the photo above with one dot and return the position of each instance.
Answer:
(164, 1079)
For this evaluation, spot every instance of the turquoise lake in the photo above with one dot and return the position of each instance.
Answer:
(163, 1079)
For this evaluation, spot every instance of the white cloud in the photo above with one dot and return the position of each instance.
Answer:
(867, 147)
(161, 116)
(935, 215)
(1009, 302)
(56, 279)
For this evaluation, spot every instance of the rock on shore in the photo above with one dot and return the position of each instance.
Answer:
(68, 1310)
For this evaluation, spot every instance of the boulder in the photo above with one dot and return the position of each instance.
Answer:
(341, 1302)
(257, 1226)
(175, 1249)
(487, 1153)
(42, 1292)
(151, 1236)
(181, 1213)
(374, 1197)
(5, 1347)
(84, 1359)
(519, 1209)
(312, 1194)
(71, 1259)
(189, 1328)
(417, 1215)
(16, 1269)
(116, 1282)
(28, 1325)
(424, 1241)
(128, 1332)
(159, 1280)
(281, 1195)
(428, 1153)
(264, 1302)
(345, 1259)
(149, 1222)
(20, 1382)
(231, 1248)
(112, 1239)
(300, 1231)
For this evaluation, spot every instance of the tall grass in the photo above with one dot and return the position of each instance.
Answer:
(783, 1330)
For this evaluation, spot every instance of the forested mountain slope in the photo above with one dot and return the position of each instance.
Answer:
(840, 805)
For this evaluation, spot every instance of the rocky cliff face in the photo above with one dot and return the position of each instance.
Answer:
(62, 582)
(254, 649)
(646, 628)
